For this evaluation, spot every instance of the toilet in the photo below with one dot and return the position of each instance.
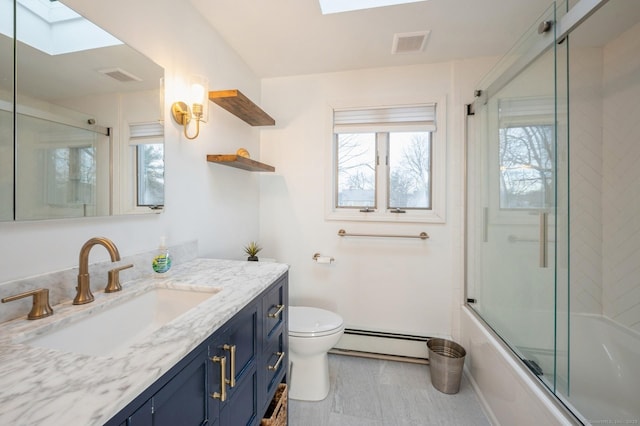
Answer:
(312, 332)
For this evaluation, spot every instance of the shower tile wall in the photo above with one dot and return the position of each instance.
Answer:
(586, 179)
(621, 185)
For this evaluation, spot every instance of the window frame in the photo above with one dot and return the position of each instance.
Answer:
(437, 212)
(136, 133)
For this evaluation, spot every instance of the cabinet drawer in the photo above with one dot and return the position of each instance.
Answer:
(275, 310)
(275, 363)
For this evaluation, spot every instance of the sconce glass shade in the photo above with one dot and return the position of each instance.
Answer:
(198, 96)
(197, 107)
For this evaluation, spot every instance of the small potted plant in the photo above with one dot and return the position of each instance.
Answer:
(252, 250)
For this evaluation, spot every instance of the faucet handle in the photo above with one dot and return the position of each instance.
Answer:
(40, 308)
(113, 284)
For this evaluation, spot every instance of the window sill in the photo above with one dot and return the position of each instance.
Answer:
(430, 217)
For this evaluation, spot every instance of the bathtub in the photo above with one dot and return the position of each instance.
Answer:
(604, 371)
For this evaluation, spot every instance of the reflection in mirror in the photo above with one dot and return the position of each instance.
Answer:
(79, 100)
(6, 110)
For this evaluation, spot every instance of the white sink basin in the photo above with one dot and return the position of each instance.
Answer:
(123, 324)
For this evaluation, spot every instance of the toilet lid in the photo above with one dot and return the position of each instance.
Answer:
(305, 321)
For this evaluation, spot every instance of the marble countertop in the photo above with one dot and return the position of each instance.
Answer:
(43, 386)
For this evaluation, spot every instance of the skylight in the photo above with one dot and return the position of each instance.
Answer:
(53, 28)
(337, 6)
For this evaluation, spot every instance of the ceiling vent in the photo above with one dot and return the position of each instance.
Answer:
(410, 42)
(120, 75)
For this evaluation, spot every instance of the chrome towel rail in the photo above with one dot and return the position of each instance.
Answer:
(422, 235)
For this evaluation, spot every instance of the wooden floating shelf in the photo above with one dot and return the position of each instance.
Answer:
(241, 106)
(239, 162)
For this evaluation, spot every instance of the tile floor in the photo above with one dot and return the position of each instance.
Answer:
(376, 392)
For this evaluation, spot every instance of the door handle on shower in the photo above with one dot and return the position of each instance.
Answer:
(543, 239)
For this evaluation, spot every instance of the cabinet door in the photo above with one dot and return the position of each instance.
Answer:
(142, 417)
(238, 343)
(242, 408)
(184, 399)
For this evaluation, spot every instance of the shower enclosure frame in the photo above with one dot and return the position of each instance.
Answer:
(563, 26)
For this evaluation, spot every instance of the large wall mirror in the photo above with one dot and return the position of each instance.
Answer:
(81, 129)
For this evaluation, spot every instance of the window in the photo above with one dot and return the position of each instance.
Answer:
(150, 174)
(384, 164)
(147, 145)
(526, 143)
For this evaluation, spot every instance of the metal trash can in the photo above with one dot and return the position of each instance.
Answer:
(446, 359)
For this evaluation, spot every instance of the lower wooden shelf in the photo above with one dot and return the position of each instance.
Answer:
(239, 162)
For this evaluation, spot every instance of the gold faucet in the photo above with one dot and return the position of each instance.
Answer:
(83, 290)
(40, 308)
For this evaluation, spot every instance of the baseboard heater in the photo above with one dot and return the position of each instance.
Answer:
(379, 344)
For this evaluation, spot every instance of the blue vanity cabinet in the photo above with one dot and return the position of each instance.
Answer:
(229, 379)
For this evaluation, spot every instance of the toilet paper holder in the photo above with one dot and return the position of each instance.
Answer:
(322, 259)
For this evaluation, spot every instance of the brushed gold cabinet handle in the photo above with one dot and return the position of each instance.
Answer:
(222, 395)
(232, 353)
(276, 313)
(278, 362)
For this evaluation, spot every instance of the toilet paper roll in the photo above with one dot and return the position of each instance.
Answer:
(324, 259)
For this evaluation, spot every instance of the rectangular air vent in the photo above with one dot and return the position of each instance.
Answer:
(120, 75)
(409, 42)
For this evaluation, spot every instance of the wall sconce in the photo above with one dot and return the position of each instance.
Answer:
(198, 99)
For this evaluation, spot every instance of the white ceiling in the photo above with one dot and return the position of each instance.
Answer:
(291, 37)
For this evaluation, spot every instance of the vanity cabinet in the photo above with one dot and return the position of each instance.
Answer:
(229, 379)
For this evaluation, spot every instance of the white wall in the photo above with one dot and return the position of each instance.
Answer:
(621, 182)
(214, 204)
(395, 285)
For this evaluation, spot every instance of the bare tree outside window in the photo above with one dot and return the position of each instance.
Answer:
(410, 170)
(526, 173)
(150, 174)
(356, 154)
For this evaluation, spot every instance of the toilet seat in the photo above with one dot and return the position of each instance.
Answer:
(306, 321)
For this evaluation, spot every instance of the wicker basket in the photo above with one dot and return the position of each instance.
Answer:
(276, 414)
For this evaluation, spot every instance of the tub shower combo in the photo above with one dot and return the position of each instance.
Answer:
(553, 206)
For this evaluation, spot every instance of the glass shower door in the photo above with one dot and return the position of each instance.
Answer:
(513, 178)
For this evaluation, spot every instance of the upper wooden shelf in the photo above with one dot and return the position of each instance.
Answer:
(241, 106)
(239, 162)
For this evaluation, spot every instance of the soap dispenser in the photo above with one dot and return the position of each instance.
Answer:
(162, 261)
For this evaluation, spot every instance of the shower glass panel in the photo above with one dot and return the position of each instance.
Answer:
(60, 173)
(553, 207)
(514, 176)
